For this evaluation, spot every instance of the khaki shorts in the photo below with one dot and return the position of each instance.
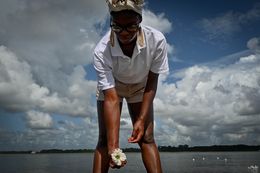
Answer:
(133, 93)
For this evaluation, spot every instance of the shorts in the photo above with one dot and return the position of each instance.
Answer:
(133, 93)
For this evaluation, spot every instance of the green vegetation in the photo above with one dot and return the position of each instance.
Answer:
(180, 148)
(186, 148)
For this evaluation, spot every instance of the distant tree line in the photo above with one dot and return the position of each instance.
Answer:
(180, 148)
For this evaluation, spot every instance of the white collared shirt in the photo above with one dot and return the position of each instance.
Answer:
(111, 63)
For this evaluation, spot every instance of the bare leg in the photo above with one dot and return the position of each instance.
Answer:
(101, 160)
(150, 153)
(101, 157)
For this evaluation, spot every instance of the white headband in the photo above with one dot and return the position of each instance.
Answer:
(119, 5)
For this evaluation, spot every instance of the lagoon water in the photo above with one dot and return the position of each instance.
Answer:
(182, 162)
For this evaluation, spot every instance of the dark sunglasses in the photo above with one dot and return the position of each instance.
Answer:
(129, 28)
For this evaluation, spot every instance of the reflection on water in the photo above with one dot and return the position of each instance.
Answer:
(182, 162)
(212, 162)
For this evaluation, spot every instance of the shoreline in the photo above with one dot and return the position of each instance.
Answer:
(180, 148)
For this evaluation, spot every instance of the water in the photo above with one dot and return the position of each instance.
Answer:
(190, 162)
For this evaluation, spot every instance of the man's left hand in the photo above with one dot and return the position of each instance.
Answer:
(138, 132)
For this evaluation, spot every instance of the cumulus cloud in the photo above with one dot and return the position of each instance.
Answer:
(45, 47)
(19, 90)
(254, 44)
(53, 37)
(39, 120)
(64, 137)
(228, 23)
(157, 21)
(219, 103)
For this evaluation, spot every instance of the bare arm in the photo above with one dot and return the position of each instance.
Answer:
(112, 118)
(149, 94)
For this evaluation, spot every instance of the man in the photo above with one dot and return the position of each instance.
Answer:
(128, 61)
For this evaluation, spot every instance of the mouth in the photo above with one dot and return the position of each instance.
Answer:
(126, 39)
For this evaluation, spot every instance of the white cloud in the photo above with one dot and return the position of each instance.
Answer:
(159, 21)
(219, 103)
(45, 46)
(16, 83)
(254, 44)
(39, 120)
(221, 26)
(69, 135)
(228, 23)
(19, 90)
(48, 36)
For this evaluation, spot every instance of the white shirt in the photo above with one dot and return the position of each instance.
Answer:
(111, 63)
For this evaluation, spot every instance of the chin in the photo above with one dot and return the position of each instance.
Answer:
(125, 41)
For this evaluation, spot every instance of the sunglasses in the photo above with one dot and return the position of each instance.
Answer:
(129, 28)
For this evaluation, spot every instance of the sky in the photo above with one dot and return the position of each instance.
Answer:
(211, 95)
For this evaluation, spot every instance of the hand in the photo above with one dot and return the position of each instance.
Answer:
(138, 132)
(117, 159)
(113, 165)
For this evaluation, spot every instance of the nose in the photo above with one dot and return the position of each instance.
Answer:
(124, 35)
(124, 32)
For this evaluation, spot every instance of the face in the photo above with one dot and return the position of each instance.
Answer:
(125, 27)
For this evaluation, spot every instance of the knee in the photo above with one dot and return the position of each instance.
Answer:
(147, 139)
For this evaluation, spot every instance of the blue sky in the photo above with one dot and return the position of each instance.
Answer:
(211, 95)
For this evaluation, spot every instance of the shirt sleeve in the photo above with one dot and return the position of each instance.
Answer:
(160, 61)
(103, 67)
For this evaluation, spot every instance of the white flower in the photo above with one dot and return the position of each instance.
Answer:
(118, 157)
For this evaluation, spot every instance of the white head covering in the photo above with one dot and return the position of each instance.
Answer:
(119, 5)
